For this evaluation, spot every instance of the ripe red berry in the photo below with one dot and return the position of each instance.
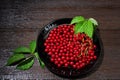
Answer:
(59, 59)
(61, 62)
(94, 57)
(58, 65)
(50, 53)
(74, 66)
(56, 62)
(72, 58)
(66, 64)
(71, 63)
(52, 59)
(64, 60)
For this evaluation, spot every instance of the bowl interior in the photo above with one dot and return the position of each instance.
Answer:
(62, 71)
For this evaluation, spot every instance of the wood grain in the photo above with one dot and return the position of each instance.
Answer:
(21, 21)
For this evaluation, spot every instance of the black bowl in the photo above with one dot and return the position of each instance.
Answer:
(68, 72)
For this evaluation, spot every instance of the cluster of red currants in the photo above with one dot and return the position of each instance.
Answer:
(68, 49)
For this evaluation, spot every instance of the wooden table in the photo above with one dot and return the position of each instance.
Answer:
(21, 21)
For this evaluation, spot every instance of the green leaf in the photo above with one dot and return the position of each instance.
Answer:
(77, 19)
(26, 64)
(40, 61)
(42, 64)
(80, 27)
(15, 58)
(93, 21)
(89, 29)
(22, 50)
(84, 25)
(32, 46)
(77, 26)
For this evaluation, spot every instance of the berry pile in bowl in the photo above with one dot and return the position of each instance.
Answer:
(71, 47)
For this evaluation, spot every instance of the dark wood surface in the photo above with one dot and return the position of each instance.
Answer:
(21, 20)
